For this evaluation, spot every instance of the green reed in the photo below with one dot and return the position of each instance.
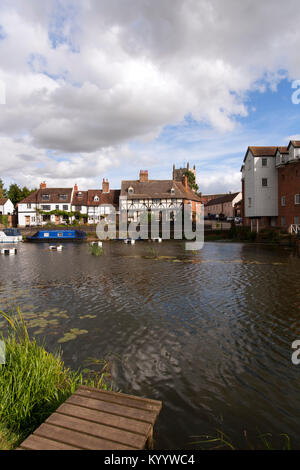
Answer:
(33, 383)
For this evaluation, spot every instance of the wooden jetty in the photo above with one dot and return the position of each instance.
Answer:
(93, 419)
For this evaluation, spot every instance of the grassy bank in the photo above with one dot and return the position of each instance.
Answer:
(243, 234)
(33, 383)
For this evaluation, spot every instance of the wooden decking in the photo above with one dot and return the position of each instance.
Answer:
(97, 420)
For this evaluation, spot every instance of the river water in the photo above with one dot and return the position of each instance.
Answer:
(208, 333)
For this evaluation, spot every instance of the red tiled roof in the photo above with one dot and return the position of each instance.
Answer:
(221, 200)
(3, 201)
(54, 193)
(263, 151)
(283, 149)
(80, 198)
(158, 189)
(111, 198)
(295, 143)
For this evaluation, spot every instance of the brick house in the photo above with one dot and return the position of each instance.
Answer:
(288, 165)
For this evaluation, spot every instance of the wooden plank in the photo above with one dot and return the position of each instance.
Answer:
(113, 408)
(35, 442)
(77, 439)
(120, 398)
(135, 441)
(97, 420)
(100, 417)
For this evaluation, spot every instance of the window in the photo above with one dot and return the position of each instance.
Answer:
(296, 219)
(297, 198)
(96, 198)
(172, 191)
(79, 194)
(57, 207)
(249, 201)
(283, 200)
(264, 182)
(283, 221)
(45, 197)
(28, 206)
(130, 190)
(63, 197)
(264, 162)
(65, 208)
(46, 208)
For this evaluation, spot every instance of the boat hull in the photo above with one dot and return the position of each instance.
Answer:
(58, 236)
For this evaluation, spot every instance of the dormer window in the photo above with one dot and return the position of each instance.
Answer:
(96, 198)
(45, 197)
(63, 197)
(130, 190)
(172, 191)
(79, 194)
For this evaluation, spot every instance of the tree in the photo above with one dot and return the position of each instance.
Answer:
(26, 192)
(15, 194)
(191, 180)
(2, 190)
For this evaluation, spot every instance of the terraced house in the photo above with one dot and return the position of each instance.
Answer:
(92, 205)
(36, 208)
(46, 204)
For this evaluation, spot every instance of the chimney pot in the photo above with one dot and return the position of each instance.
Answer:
(75, 187)
(143, 176)
(43, 185)
(105, 186)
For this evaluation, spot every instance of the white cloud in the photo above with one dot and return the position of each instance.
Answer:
(86, 77)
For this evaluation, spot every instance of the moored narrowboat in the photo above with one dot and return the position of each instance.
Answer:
(57, 236)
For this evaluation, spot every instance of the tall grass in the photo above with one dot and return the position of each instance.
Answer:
(265, 441)
(33, 383)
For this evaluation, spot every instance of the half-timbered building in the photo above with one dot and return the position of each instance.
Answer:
(154, 196)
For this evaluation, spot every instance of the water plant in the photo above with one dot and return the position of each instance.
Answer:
(96, 250)
(33, 383)
(265, 441)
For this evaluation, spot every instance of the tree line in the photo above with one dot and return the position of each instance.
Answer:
(15, 193)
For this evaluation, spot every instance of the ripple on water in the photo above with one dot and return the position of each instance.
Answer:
(209, 334)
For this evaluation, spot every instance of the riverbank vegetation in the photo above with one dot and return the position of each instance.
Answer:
(265, 441)
(33, 383)
(244, 234)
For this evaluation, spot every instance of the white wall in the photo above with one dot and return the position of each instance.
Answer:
(264, 200)
(7, 208)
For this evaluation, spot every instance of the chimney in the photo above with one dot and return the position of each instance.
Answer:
(105, 186)
(75, 187)
(43, 185)
(143, 176)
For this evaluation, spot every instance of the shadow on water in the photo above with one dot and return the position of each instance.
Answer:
(208, 333)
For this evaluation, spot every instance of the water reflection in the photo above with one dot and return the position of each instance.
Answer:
(208, 333)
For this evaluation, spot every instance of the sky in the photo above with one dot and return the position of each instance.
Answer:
(103, 88)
